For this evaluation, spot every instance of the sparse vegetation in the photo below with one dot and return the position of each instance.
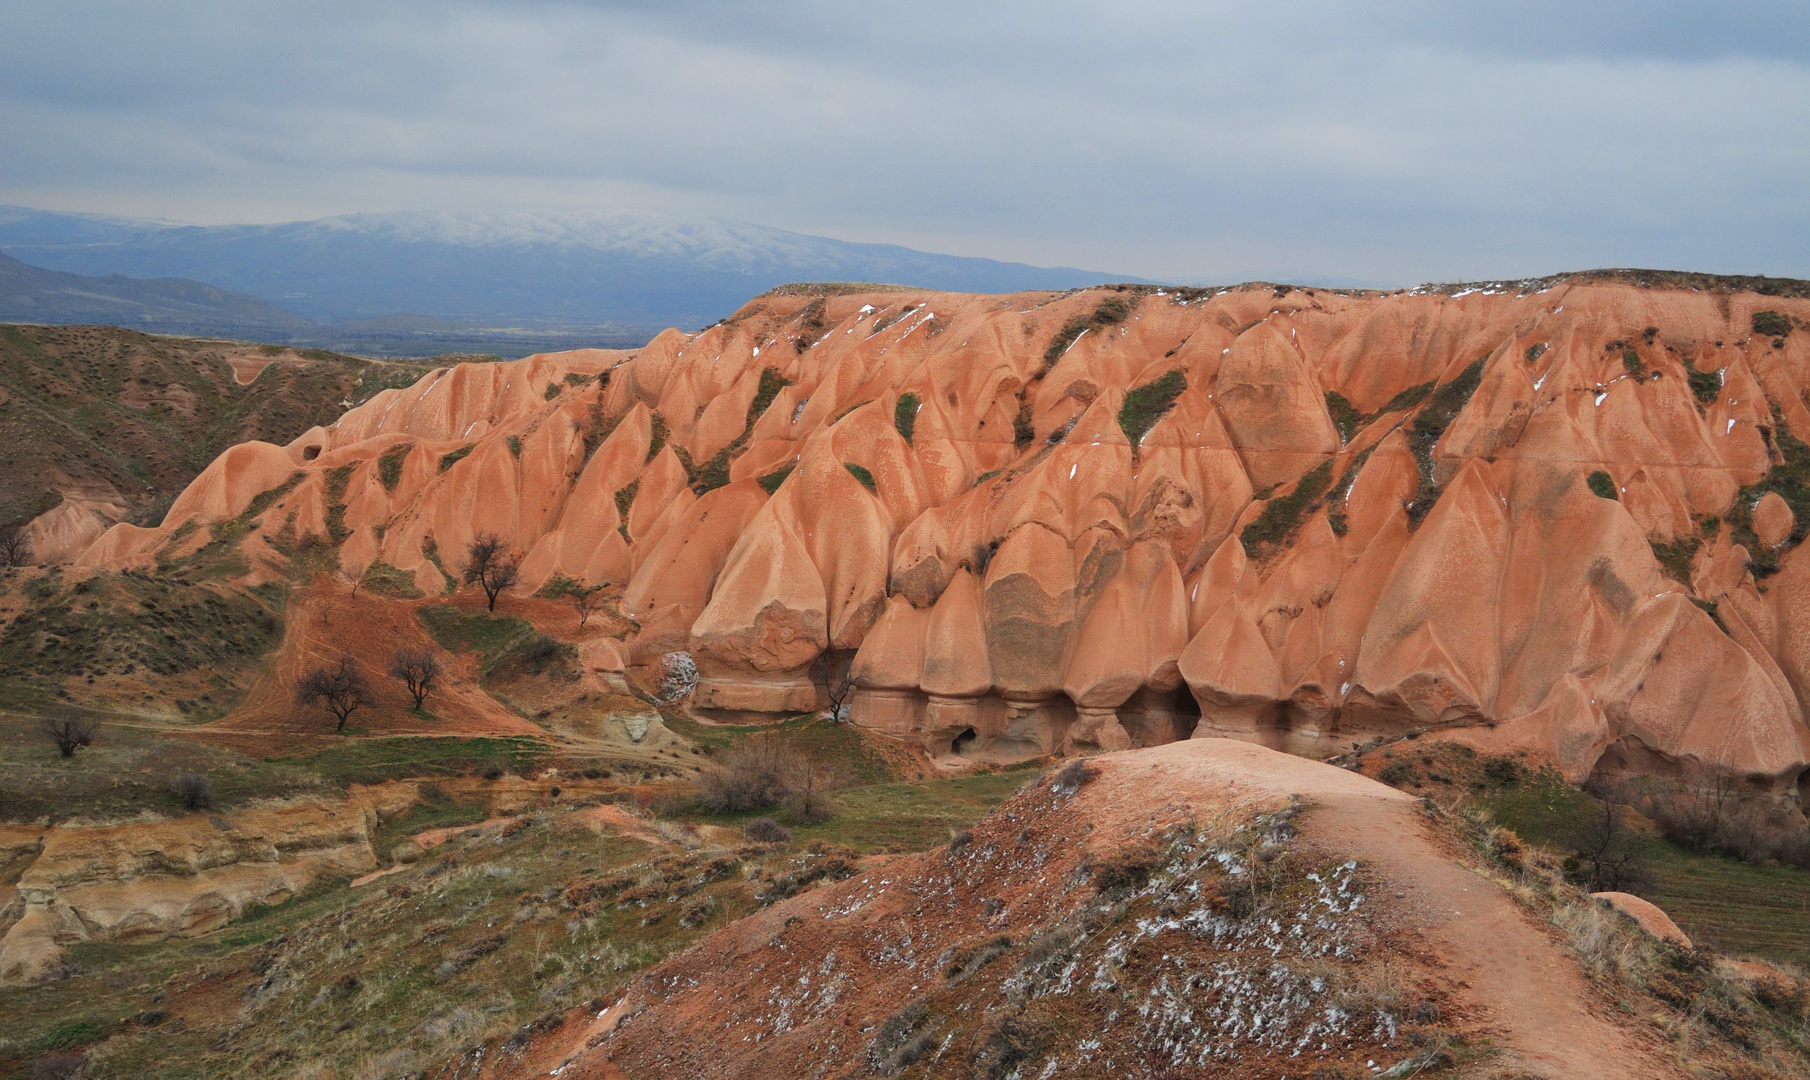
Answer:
(1602, 485)
(1771, 324)
(389, 465)
(339, 688)
(1111, 311)
(1283, 514)
(448, 460)
(1705, 385)
(1535, 351)
(905, 415)
(1147, 404)
(860, 472)
(1345, 416)
(770, 482)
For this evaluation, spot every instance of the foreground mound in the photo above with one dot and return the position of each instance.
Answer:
(1209, 908)
(1572, 508)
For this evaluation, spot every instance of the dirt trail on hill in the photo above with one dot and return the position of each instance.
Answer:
(799, 988)
(1503, 965)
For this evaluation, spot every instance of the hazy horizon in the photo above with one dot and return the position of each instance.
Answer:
(1396, 143)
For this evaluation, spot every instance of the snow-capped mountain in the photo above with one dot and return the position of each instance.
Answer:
(626, 269)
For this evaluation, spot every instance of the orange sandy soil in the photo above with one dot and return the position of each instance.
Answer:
(325, 622)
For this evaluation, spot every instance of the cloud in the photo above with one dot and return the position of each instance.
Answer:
(1207, 141)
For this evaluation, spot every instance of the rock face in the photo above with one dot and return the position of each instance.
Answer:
(146, 881)
(1569, 510)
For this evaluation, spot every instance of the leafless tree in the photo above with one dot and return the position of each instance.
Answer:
(418, 670)
(339, 688)
(832, 668)
(15, 546)
(491, 565)
(70, 733)
(586, 602)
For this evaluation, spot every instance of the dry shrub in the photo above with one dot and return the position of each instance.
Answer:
(1126, 871)
(1072, 777)
(764, 830)
(903, 1039)
(764, 772)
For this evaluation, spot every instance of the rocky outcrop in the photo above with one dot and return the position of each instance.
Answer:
(149, 880)
(1569, 512)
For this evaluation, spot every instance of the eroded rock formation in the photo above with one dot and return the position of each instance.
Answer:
(1568, 510)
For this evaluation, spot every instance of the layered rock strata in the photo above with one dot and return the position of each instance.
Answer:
(1567, 509)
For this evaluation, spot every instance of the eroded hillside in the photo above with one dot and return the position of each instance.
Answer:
(100, 424)
(1567, 510)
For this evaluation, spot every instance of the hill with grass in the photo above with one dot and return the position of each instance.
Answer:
(101, 424)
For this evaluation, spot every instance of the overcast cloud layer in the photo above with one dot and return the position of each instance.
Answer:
(1383, 142)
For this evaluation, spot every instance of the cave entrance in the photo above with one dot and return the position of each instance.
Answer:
(309, 453)
(961, 742)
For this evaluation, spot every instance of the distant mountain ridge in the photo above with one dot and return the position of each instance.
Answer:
(627, 270)
(29, 294)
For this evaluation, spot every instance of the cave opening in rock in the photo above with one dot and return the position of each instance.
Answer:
(960, 743)
(309, 453)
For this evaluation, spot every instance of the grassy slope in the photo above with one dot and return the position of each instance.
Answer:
(67, 390)
(341, 977)
(1736, 907)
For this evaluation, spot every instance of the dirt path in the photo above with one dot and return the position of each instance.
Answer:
(1507, 966)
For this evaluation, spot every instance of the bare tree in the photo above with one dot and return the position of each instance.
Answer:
(15, 546)
(339, 688)
(418, 670)
(70, 733)
(490, 565)
(586, 602)
(833, 668)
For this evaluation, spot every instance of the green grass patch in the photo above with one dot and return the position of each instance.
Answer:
(1771, 324)
(1602, 485)
(657, 439)
(861, 473)
(1790, 480)
(770, 482)
(1111, 311)
(492, 637)
(1145, 405)
(1675, 558)
(372, 761)
(1283, 514)
(514, 442)
(1345, 416)
(1706, 385)
(905, 415)
(1408, 398)
(447, 461)
(389, 465)
(625, 501)
(382, 579)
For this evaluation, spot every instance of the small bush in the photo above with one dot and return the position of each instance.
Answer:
(1024, 430)
(901, 1040)
(195, 791)
(770, 482)
(1771, 324)
(1602, 485)
(764, 830)
(1072, 777)
(1534, 352)
(959, 840)
(1631, 362)
(755, 776)
(1125, 871)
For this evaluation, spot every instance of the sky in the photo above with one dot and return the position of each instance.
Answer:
(1376, 142)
